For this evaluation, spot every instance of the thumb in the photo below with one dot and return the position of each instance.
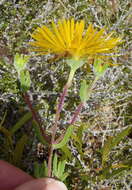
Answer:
(42, 184)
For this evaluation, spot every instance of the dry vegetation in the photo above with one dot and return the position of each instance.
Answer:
(108, 112)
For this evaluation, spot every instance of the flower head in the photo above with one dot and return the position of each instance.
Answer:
(68, 37)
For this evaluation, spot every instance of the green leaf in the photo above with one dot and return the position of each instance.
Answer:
(23, 120)
(40, 170)
(64, 176)
(121, 136)
(77, 144)
(78, 138)
(84, 95)
(18, 152)
(36, 170)
(25, 81)
(55, 164)
(3, 119)
(38, 133)
(20, 62)
(59, 168)
(67, 154)
(45, 169)
(8, 136)
(75, 64)
(109, 172)
(99, 67)
(116, 172)
(80, 131)
(112, 142)
(66, 138)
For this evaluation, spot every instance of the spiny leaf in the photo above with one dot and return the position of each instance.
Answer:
(66, 138)
(80, 133)
(112, 142)
(108, 173)
(121, 136)
(78, 138)
(117, 172)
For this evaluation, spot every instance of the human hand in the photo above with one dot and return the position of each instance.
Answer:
(12, 178)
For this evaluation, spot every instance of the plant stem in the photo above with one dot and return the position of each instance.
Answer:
(64, 93)
(54, 129)
(57, 116)
(78, 110)
(50, 161)
(35, 116)
(61, 100)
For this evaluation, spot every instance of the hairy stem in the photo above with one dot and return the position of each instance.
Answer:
(77, 112)
(54, 129)
(61, 100)
(57, 116)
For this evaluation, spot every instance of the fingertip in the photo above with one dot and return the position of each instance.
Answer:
(11, 177)
(43, 184)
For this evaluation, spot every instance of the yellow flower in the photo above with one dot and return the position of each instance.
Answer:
(69, 38)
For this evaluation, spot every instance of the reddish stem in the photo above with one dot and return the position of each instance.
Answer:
(54, 129)
(62, 98)
(78, 110)
(73, 120)
(35, 115)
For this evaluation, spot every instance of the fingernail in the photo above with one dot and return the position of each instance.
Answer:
(56, 185)
(43, 184)
(61, 185)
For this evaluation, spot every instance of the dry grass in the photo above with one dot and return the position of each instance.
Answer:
(108, 111)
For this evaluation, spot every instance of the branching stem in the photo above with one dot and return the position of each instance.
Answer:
(57, 116)
(78, 110)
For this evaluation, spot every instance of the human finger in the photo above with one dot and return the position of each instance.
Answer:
(43, 184)
(11, 177)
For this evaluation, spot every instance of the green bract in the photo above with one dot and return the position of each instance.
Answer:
(25, 80)
(99, 67)
(20, 62)
(84, 95)
(66, 138)
(75, 64)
